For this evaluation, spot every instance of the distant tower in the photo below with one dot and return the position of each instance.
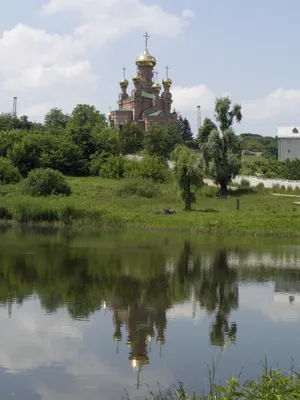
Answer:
(15, 105)
(199, 120)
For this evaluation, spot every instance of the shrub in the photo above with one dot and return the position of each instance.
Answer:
(150, 167)
(138, 187)
(113, 167)
(8, 172)
(46, 182)
(245, 183)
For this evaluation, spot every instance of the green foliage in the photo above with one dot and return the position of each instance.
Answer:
(226, 115)
(131, 139)
(8, 172)
(188, 173)
(138, 187)
(205, 130)
(185, 130)
(46, 182)
(245, 183)
(221, 149)
(257, 143)
(271, 168)
(56, 119)
(113, 167)
(160, 140)
(150, 167)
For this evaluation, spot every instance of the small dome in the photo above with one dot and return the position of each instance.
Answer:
(156, 87)
(146, 60)
(124, 82)
(137, 77)
(167, 82)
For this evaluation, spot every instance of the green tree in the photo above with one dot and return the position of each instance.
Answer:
(205, 130)
(55, 118)
(9, 174)
(185, 130)
(131, 139)
(160, 140)
(222, 151)
(226, 115)
(85, 119)
(188, 173)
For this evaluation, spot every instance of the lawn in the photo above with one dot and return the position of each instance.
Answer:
(95, 202)
(253, 158)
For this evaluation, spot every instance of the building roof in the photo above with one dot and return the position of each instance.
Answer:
(288, 132)
(147, 95)
(155, 114)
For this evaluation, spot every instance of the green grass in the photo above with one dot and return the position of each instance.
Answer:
(253, 158)
(95, 202)
(271, 385)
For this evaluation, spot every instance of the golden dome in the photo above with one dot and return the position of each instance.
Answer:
(146, 60)
(156, 87)
(137, 77)
(167, 82)
(124, 82)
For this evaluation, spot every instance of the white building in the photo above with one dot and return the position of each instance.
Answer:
(288, 142)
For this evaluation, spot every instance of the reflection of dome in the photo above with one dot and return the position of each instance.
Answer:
(156, 87)
(160, 339)
(146, 60)
(124, 82)
(118, 337)
(167, 82)
(138, 362)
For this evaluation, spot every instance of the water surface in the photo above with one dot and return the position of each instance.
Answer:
(92, 315)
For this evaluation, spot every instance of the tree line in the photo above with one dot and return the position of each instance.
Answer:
(83, 143)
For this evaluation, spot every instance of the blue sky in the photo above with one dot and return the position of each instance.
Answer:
(63, 52)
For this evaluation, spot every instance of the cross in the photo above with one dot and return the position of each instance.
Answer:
(167, 69)
(156, 75)
(124, 70)
(146, 36)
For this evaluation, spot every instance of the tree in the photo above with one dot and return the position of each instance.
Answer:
(226, 116)
(185, 130)
(131, 139)
(188, 173)
(221, 150)
(84, 121)
(205, 130)
(55, 118)
(160, 140)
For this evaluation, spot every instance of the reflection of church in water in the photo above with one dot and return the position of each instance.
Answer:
(142, 325)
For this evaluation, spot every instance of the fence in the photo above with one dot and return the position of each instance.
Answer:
(268, 183)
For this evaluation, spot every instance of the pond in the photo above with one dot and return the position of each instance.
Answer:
(93, 315)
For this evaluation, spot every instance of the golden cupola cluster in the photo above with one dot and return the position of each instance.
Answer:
(156, 87)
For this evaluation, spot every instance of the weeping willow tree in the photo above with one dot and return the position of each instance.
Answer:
(221, 148)
(188, 173)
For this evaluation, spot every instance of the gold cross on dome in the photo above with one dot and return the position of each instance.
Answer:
(156, 73)
(146, 36)
(167, 71)
(124, 71)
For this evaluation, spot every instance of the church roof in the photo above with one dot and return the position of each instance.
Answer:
(147, 95)
(155, 114)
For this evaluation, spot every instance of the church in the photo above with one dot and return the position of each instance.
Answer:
(146, 104)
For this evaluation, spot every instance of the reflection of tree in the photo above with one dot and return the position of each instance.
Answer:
(132, 280)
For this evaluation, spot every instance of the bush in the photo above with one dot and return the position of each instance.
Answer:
(245, 183)
(138, 187)
(8, 172)
(46, 182)
(113, 167)
(150, 167)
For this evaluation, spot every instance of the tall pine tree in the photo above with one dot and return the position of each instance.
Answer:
(185, 130)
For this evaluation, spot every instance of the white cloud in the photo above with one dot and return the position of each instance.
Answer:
(277, 106)
(187, 98)
(107, 20)
(187, 14)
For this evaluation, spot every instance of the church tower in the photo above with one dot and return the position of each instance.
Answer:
(146, 104)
